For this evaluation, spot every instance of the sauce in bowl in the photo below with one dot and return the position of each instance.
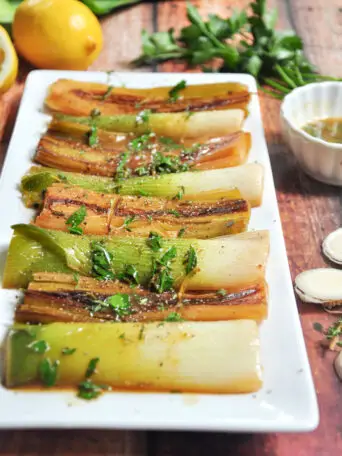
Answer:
(329, 130)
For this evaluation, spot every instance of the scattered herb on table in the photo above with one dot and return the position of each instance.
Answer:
(76, 219)
(274, 57)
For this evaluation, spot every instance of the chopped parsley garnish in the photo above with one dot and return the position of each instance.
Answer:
(167, 164)
(179, 195)
(141, 171)
(190, 260)
(107, 93)
(174, 92)
(154, 241)
(95, 113)
(142, 193)
(122, 336)
(101, 262)
(221, 292)
(122, 171)
(181, 232)
(76, 219)
(139, 143)
(120, 303)
(88, 390)
(150, 218)
(91, 367)
(48, 371)
(92, 136)
(174, 317)
(68, 351)
(76, 277)
(141, 332)
(130, 274)
(39, 346)
(128, 221)
(62, 177)
(174, 212)
(162, 279)
(169, 142)
(143, 117)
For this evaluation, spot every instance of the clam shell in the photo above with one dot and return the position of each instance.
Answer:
(332, 246)
(320, 286)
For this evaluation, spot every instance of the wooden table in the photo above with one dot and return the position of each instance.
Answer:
(309, 211)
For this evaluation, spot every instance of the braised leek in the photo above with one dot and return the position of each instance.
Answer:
(249, 179)
(68, 298)
(66, 146)
(115, 215)
(80, 98)
(209, 124)
(221, 263)
(212, 357)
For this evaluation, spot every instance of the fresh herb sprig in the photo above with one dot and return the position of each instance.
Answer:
(274, 57)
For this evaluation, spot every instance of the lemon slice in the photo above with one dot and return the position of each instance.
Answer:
(8, 61)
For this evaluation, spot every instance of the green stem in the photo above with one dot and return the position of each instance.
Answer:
(276, 85)
(273, 94)
(284, 76)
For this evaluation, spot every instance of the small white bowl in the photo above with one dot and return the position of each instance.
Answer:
(318, 158)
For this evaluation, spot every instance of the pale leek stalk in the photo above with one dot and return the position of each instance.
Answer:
(215, 357)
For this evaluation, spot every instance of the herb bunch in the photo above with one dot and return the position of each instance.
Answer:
(275, 58)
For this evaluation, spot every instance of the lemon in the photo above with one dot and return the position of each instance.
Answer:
(57, 34)
(8, 61)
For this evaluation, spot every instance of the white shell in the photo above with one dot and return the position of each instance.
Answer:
(338, 365)
(318, 158)
(332, 246)
(320, 286)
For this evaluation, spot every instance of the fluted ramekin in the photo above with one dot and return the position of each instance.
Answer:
(318, 158)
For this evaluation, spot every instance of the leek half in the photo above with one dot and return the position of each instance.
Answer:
(224, 262)
(249, 179)
(55, 297)
(110, 214)
(208, 124)
(79, 98)
(218, 357)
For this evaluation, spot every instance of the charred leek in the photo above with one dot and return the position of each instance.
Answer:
(55, 297)
(114, 215)
(219, 357)
(66, 146)
(221, 263)
(79, 98)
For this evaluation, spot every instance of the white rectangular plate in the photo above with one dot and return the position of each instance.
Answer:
(287, 401)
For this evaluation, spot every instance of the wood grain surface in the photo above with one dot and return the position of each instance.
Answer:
(309, 211)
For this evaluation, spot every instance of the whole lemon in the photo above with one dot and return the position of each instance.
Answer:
(57, 34)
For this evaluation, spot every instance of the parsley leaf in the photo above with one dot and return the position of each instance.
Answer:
(190, 260)
(76, 219)
(88, 390)
(101, 262)
(91, 367)
(68, 351)
(120, 303)
(174, 317)
(181, 232)
(48, 371)
(39, 346)
(154, 241)
(128, 220)
(92, 136)
(107, 93)
(174, 92)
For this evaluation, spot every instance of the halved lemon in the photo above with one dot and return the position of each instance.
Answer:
(8, 61)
